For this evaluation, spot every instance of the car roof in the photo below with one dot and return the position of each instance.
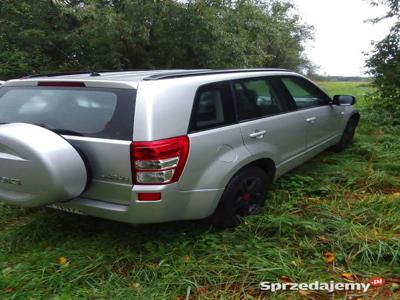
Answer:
(134, 77)
(138, 75)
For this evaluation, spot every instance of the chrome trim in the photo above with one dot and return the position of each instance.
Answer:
(161, 164)
(155, 177)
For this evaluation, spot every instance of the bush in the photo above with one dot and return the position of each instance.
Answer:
(384, 65)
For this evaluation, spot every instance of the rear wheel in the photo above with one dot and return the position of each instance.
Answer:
(245, 195)
(347, 137)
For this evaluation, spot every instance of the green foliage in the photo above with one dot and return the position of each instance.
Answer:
(44, 35)
(346, 203)
(384, 65)
(34, 37)
(392, 5)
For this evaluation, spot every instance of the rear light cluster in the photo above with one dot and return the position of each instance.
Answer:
(159, 162)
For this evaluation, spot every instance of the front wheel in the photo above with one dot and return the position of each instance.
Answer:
(347, 137)
(244, 195)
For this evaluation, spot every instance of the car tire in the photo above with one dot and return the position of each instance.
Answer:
(347, 137)
(244, 195)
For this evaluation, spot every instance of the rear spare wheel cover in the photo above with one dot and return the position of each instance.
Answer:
(38, 167)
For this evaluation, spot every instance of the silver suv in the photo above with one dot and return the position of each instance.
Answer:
(157, 146)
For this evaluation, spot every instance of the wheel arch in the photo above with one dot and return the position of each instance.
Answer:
(266, 164)
(355, 116)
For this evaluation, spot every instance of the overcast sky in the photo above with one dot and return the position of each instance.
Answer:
(341, 35)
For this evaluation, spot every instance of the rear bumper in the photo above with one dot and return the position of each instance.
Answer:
(174, 205)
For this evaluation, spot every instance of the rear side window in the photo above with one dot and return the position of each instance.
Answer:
(304, 93)
(213, 107)
(257, 98)
(91, 112)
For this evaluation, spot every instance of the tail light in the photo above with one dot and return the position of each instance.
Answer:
(159, 162)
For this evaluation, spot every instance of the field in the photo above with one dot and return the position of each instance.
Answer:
(339, 213)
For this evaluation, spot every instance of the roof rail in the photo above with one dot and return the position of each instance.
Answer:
(92, 73)
(57, 74)
(190, 73)
(162, 75)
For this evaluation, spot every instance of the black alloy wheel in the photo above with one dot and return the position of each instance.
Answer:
(245, 195)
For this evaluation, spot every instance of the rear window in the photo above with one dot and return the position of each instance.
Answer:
(90, 112)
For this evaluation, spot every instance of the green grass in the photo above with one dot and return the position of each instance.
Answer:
(357, 89)
(346, 203)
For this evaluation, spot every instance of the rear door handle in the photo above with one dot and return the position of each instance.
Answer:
(311, 120)
(258, 134)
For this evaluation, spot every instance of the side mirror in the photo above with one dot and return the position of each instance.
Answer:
(344, 100)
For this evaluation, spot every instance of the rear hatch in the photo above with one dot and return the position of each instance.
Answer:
(97, 121)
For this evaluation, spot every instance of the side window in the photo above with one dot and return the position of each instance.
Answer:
(257, 98)
(213, 107)
(304, 93)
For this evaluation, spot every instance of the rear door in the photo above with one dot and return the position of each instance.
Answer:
(268, 127)
(322, 120)
(96, 121)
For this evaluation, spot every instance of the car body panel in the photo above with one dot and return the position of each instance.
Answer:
(284, 137)
(175, 205)
(215, 156)
(324, 126)
(110, 170)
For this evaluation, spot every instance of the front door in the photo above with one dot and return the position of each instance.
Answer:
(313, 105)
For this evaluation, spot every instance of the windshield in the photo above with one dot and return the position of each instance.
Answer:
(92, 112)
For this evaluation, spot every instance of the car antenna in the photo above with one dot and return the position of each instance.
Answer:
(94, 73)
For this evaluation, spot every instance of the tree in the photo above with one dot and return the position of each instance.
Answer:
(34, 37)
(45, 35)
(384, 63)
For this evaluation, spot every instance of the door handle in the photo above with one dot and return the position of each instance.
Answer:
(258, 134)
(311, 120)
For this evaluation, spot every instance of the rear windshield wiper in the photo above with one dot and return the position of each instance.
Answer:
(59, 130)
(66, 132)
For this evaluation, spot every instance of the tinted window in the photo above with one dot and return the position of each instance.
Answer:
(304, 93)
(257, 98)
(92, 112)
(213, 107)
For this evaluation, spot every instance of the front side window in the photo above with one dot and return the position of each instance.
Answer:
(257, 98)
(213, 107)
(304, 93)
